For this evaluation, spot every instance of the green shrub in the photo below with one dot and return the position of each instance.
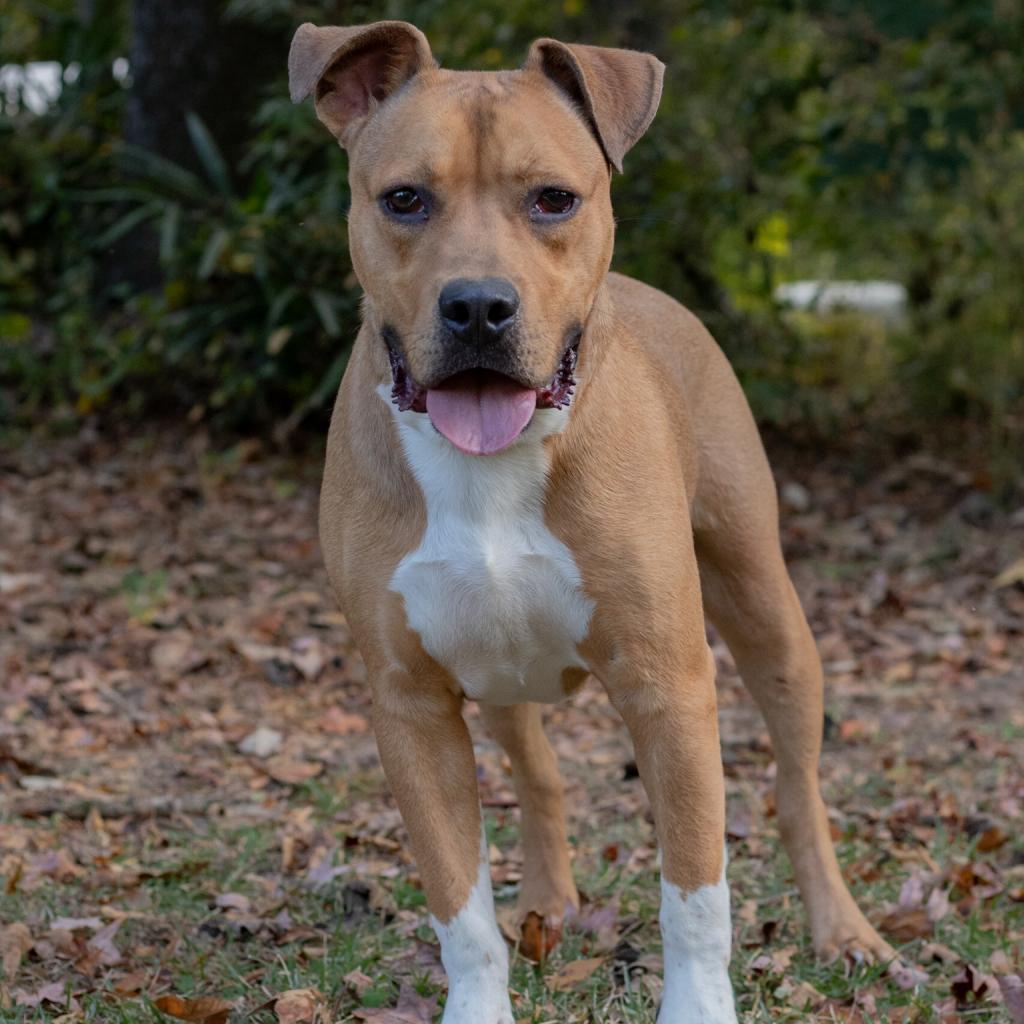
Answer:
(828, 140)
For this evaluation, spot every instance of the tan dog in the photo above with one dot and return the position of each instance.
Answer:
(538, 470)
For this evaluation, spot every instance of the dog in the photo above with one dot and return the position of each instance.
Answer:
(538, 470)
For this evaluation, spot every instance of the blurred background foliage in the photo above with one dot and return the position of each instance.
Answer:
(173, 240)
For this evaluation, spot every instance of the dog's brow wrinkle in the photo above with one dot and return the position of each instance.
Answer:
(417, 174)
(482, 120)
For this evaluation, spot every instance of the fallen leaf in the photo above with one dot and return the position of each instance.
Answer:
(1013, 573)
(936, 951)
(15, 942)
(103, 943)
(14, 582)
(992, 838)
(852, 730)
(1012, 989)
(801, 995)
(938, 905)
(261, 742)
(100, 950)
(291, 772)
(907, 923)
(412, 1008)
(907, 976)
(56, 992)
(56, 864)
(969, 987)
(175, 655)
(538, 938)
(600, 922)
(204, 1010)
(574, 973)
(131, 983)
(233, 901)
(298, 1006)
(342, 723)
(71, 924)
(358, 982)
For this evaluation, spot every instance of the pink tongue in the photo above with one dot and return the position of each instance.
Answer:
(480, 412)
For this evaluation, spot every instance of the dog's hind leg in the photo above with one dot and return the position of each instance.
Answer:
(748, 596)
(548, 890)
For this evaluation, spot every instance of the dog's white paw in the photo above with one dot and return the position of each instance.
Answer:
(477, 1001)
(707, 1001)
(696, 934)
(475, 959)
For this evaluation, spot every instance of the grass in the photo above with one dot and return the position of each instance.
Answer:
(131, 687)
(175, 932)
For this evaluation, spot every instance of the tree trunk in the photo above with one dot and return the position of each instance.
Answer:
(185, 56)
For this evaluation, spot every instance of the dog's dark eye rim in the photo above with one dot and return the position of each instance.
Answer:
(553, 203)
(404, 203)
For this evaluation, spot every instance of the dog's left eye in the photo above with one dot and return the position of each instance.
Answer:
(554, 202)
(404, 202)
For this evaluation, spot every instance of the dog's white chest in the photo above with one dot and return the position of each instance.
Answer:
(495, 597)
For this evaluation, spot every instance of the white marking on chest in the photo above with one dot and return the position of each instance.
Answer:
(697, 935)
(495, 597)
(475, 958)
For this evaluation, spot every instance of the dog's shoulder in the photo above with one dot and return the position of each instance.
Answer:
(673, 338)
(648, 311)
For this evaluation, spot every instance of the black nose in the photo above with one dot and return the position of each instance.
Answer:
(478, 312)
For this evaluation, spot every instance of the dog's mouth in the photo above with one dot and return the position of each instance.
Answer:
(481, 411)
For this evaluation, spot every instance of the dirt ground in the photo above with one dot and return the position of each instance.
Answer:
(193, 818)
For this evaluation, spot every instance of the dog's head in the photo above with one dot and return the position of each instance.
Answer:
(481, 222)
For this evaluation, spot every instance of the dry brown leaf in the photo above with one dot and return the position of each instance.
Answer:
(907, 923)
(233, 901)
(56, 992)
(15, 942)
(131, 983)
(290, 771)
(907, 976)
(537, 938)
(298, 1006)
(992, 838)
(938, 905)
(852, 730)
(358, 982)
(1000, 963)
(574, 973)
(970, 987)
(204, 1010)
(800, 995)
(1012, 989)
(936, 951)
(508, 922)
(1013, 573)
(102, 947)
(412, 1008)
(342, 723)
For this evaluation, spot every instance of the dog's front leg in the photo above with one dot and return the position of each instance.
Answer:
(428, 759)
(672, 717)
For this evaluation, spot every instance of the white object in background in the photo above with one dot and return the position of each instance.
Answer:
(887, 298)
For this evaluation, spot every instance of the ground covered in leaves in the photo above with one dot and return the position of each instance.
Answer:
(194, 824)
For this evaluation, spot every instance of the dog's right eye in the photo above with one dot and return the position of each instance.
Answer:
(404, 202)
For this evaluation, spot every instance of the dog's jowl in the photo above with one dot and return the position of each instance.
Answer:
(538, 471)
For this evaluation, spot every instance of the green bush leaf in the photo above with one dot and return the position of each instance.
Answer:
(215, 246)
(209, 155)
(323, 303)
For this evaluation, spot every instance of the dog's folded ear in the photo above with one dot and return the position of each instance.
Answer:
(617, 91)
(350, 70)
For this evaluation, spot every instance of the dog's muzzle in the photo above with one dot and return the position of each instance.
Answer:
(475, 402)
